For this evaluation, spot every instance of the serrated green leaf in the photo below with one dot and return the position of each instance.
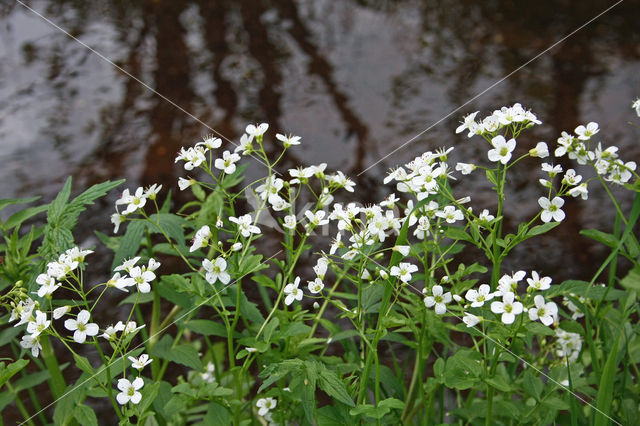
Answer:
(171, 224)
(333, 386)
(56, 208)
(217, 414)
(632, 279)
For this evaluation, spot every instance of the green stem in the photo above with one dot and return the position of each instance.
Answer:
(20, 405)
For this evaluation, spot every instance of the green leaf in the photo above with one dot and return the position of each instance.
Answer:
(30, 381)
(632, 279)
(333, 386)
(11, 201)
(129, 243)
(499, 383)
(270, 328)
(16, 219)
(217, 414)
(171, 224)
(56, 208)
(605, 390)
(184, 354)
(538, 329)
(207, 327)
(370, 411)
(532, 384)
(541, 229)
(83, 364)
(85, 415)
(457, 233)
(333, 416)
(555, 403)
(608, 240)
(6, 372)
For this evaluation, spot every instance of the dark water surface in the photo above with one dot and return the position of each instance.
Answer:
(355, 79)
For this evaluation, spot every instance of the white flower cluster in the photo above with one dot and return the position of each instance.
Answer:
(139, 276)
(505, 116)
(133, 203)
(265, 406)
(568, 345)
(292, 291)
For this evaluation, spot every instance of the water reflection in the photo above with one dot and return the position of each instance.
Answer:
(356, 79)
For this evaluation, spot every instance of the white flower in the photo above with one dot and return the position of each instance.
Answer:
(508, 308)
(110, 332)
(293, 292)
(571, 178)
(254, 131)
(538, 283)
(40, 324)
(403, 271)
(117, 219)
(245, 225)
(227, 163)
(580, 191)
(341, 181)
(403, 250)
(245, 145)
(545, 312)
(120, 282)
(31, 342)
(265, 405)
(47, 285)
(450, 214)
(470, 319)
(469, 120)
(289, 221)
(133, 201)
(210, 142)
(216, 271)
(316, 286)
(509, 283)
(317, 218)
(81, 326)
(502, 149)
(152, 265)
(142, 278)
(478, 297)
(140, 362)
(585, 133)
(278, 203)
(636, 105)
(129, 391)
(551, 169)
(465, 168)
(551, 209)
(131, 327)
(127, 264)
(287, 141)
(485, 218)
(193, 157)
(321, 267)
(208, 375)
(236, 247)
(201, 238)
(61, 311)
(152, 192)
(541, 150)
(183, 184)
(438, 299)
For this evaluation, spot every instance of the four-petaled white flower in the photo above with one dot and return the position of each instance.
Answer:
(316, 286)
(478, 297)
(142, 278)
(254, 131)
(438, 299)
(216, 271)
(293, 292)
(502, 149)
(585, 133)
(245, 225)
(47, 285)
(227, 163)
(40, 324)
(265, 405)
(551, 209)
(465, 168)
(508, 308)
(129, 391)
(183, 184)
(545, 312)
(403, 271)
(201, 238)
(289, 221)
(140, 362)
(133, 201)
(450, 214)
(81, 326)
(538, 283)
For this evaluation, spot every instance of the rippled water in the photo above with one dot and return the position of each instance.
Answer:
(355, 79)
